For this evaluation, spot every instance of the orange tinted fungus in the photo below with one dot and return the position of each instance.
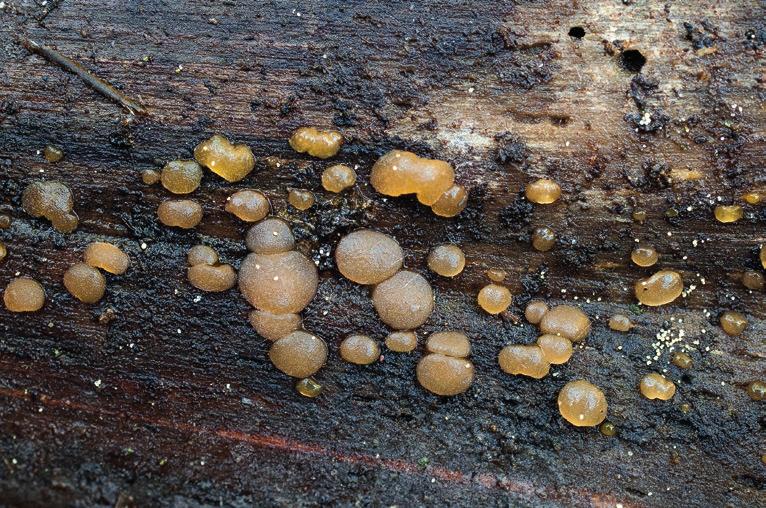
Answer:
(535, 311)
(248, 205)
(727, 213)
(401, 342)
(656, 386)
(274, 326)
(446, 260)
(321, 143)
(644, 256)
(212, 278)
(556, 349)
(107, 256)
(733, 323)
(270, 236)
(566, 321)
(150, 176)
(620, 323)
(453, 344)
(85, 283)
(180, 213)
(3, 251)
(496, 275)
(53, 153)
(521, 360)
(494, 298)
(444, 375)
(582, 404)
(359, 350)
(181, 176)
(338, 178)
(279, 283)
(23, 294)
(201, 255)
(52, 200)
(404, 301)
(661, 288)
(753, 280)
(543, 239)
(543, 191)
(399, 172)
(299, 354)
(451, 202)
(229, 161)
(301, 199)
(368, 257)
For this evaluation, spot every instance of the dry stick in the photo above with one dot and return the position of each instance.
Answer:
(94, 81)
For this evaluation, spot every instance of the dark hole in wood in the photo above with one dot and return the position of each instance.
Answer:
(632, 60)
(577, 32)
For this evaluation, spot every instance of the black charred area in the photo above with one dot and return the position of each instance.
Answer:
(160, 395)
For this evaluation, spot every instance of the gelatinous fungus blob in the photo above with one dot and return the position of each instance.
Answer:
(753, 280)
(454, 344)
(150, 176)
(107, 256)
(3, 251)
(762, 256)
(85, 283)
(53, 153)
(301, 199)
(682, 360)
(299, 354)
(279, 283)
(733, 323)
(181, 176)
(496, 275)
(644, 255)
(566, 321)
(656, 386)
(620, 323)
(180, 213)
(535, 310)
(401, 342)
(608, 429)
(582, 404)
(270, 236)
(404, 301)
(639, 216)
(229, 161)
(444, 375)
(248, 205)
(23, 294)
(494, 298)
(359, 350)
(556, 349)
(727, 213)
(399, 172)
(543, 239)
(5, 221)
(321, 143)
(368, 257)
(446, 260)
(757, 390)
(522, 360)
(338, 178)
(452, 202)
(274, 326)
(661, 288)
(52, 200)
(308, 387)
(543, 191)
(753, 198)
(201, 255)
(212, 278)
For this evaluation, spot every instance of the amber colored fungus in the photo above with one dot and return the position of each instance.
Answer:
(661, 288)
(270, 236)
(52, 200)
(566, 321)
(274, 326)
(608, 429)
(359, 349)
(620, 323)
(23, 294)
(212, 278)
(656, 386)
(444, 375)
(300, 199)
(338, 178)
(399, 172)
(150, 176)
(368, 257)
(453, 344)
(85, 283)
(403, 302)
(535, 310)
(321, 143)
(451, 202)
(543, 239)
(757, 390)
(229, 161)
(753, 280)
(582, 404)
(201, 255)
(733, 323)
(299, 354)
(494, 298)
(180, 213)
(682, 360)
(753, 198)
(279, 283)
(639, 216)
(308, 387)
(762, 256)
(53, 153)
(727, 213)
(446, 260)
(521, 360)
(248, 205)
(107, 256)
(3, 251)
(181, 176)
(556, 349)
(496, 275)
(644, 256)
(543, 191)
(5, 221)
(401, 342)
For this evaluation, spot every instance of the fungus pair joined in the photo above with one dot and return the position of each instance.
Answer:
(206, 273)
(84, 281)
(52, 200)
(445, 370)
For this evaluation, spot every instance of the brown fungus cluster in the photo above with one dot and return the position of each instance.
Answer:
(320, 143)
(229, 161)
(52, 200)
(84, 281)
(445, 370)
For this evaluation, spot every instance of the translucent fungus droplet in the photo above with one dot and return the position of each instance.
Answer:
(368, 257)
(248, 205)
(404, 301)
(229, 161)
(301, 199)
(494, 298)
(444, 375)
(3, 251)
(201, 255)
(753, 280)
(52, 200)
(620, 323)
(608, 429)
(308, 387)
(23, 294)
(359, 350)
(85, 283)
(274, 326)
(401, 342)
(5, 221)
(543, 239)
(543, 191)
(321, 143)
(180, 213)
(556, 349)
(279, 283)
(762, 256)
(454, 344)
(582, 404)
(338, 178)
(53, 153)
(757, 390)
(535, 311)
(661, 288)
(682, 360)
(451, 202)
(753, 198)
(398, 173)
(656, 386)
(181, 176)
(446, 260)
(733, 323)
(270, 236)
(523, 360)
(644, 256)
(728, 213)
(566, 321)
(496, 275)
(107, 256)
(299, 354)
(150, 176)
(212, 278)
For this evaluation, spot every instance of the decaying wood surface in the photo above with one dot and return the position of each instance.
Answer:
(174, 401)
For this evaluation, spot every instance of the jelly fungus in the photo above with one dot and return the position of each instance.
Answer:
(23, 294)
(3, 251)
(399, 172)
(453, 344)
(359, 349)
(762, 256)
(682, 360)
(543, 239)
(556, 349)
(639, 216)
(733, 323)
(274, 326)
(338, 178)
(299, 354)
(180, 213)
(535, 311)
(368, 257)
(150, 176)
(452, 202)
(53, 153)
(301, 199)
(321, 143)
(656, 386)
(582, 404)
(308, 387)
(446, 260)
(270, 236)
(108, 257)
(496, 275)
(212, 278)
(494, 298)
(444, 375)
(401, 342)
(608, 429)
(753, 198)
(757, 390)
(248, 205)
(727, 213)
(5, 221)
(404, 301)
(661, 288)
(229, 161)
(620, 323)
(566, 321)
(182, 176)
(644, 256)
(85, 283)
(201, 255)
(543, 191)
(52, 200)
(280, 283)
(521, 360)
(753, 280)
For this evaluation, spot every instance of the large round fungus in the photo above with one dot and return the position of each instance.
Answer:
(319, 143)
(23, 294)
(280, 283)
(523, 360)
(368, 257)
(567, 321)
(107, 256)
(401, 342)
(661, 288)
(52, 200)
(446, 260)
(338, 178)
(248, 205)
(180, 213)
(543, 191)
(85, 283)
(299, 354)
(453, 344)
(229, 161)
(444, 375)
(270, 236)
(494, 298)
(212, 278)
(181, 176)
(556, 349)
(274, 326)
(582, 404)
(399, 172)
(404, 301)
(656, 386)
(359, 349)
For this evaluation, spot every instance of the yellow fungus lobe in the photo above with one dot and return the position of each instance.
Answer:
(201, 255)
(543, 191)
(338, 178)
(682, 360)
(279, 283)
(300, 199)
(3, 251)
(212, 278)
(53, 153)
(85, 283)
(399, 172)
(248, 205)
(52, 200)
(446, 260)
(274, 326)
(753, 198)
(181, 176)
(556, 349)
(733, 323)
(108, 257)
(582, 404)
(321, 143)
(444, 375)
(23, 294)
(359, 350)
(299, 354)
(401, 342)
(620, 323)
(757, 390)
(494, 298)
(566, 321)
(656, 386)
(762, 256)
(229, 161)
(496, 275)
(727, 213)
(368, 257)
(535, 310)
(404, 301)
(451, 202)
(543, 239)
(453, 344)
(661, 288)
(180, 213)
(270, 236)
(150, 176)
(521, 360)
(308, 387)
(753, 280)
(644, 256)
